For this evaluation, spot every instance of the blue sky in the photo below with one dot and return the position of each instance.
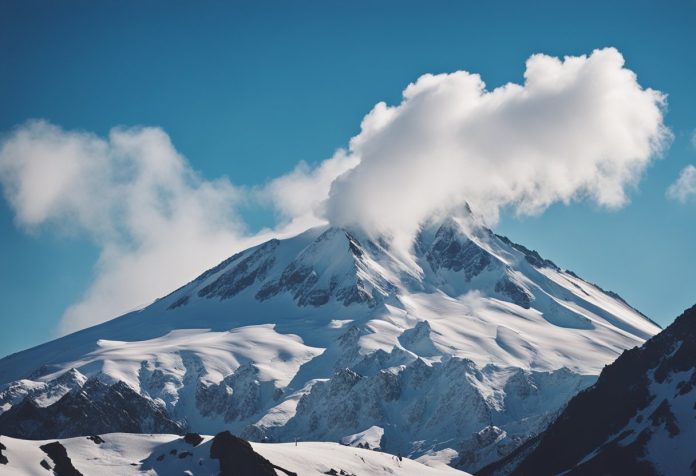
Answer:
(248, 89)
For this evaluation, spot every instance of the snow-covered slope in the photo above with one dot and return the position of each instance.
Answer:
(455, 352)
(639, 418)
(129, 454)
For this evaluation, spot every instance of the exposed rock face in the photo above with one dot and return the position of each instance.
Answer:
(63, 466)
(639, 418)
(420, 399)
(514, 291)
(238, 458)
(96, 439)
(244, 274)
(531, 256)
(313, 281)
(453, 251)
(237, 397)
(193, 439)
(93, 408)
(41, 393)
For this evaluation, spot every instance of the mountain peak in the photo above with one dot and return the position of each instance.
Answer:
(332, 332)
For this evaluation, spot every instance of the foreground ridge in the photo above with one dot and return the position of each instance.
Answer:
(193, 454)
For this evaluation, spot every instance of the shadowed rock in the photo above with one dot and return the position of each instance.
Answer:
(238, 458)
(193, 439)
(93, 409)
(62, 464)
(607, 429)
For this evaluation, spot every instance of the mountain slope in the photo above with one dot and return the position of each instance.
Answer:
(637, 419)
(457, 351)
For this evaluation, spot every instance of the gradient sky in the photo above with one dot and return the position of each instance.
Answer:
(248, 89)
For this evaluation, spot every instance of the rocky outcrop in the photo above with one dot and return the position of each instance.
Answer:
(94, 408)
(242, 274)
(514, 291)
(331, 267)
(239, 395)
(452, 250)
(41, 393)
(421, 400)
(63, 465)
(237, 458)
(637, 419)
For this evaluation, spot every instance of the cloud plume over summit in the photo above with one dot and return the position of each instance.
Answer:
(577, 128)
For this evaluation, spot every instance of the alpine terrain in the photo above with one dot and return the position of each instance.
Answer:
(456, 352)
(638, 418)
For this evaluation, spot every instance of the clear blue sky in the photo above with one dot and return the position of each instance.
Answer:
(248, 89)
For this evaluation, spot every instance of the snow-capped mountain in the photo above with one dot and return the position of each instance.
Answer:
(638, 418)
(458, 351)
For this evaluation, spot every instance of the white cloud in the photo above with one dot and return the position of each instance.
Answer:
(297, 196)
(684, 188)
(157, 223)
(578, 128)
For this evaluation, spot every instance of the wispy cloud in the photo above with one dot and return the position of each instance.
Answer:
(684, 189)
(297, 196)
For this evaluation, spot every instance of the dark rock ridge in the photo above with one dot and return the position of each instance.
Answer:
(96, 439)
(245, 273)
(454, 251)
(448, 248)
(644, 400)
(515, 292)
(238, 458)
(62, 463)
(531, 256)
(95, 408)
(308, 285)
(312, 286)
(193, 439)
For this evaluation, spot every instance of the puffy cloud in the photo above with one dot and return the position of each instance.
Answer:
(155, 220)
(577, 128)
(684, 188)
(157, 223)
